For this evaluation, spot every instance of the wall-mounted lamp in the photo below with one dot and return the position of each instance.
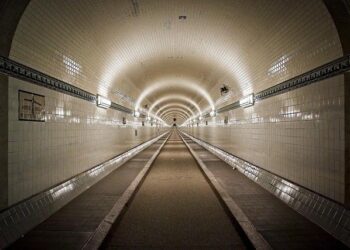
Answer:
(103, 102)
(212, 113)
(224, 90)
(136, 114)
(247, 101)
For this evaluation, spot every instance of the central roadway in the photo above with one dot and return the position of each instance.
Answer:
(175, 207)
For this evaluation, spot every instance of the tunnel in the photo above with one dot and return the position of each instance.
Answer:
(187, 124)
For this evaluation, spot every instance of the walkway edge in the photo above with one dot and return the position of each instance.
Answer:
(104, 227)
(249, 229)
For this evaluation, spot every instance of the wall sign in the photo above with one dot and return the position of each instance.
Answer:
(31, 107)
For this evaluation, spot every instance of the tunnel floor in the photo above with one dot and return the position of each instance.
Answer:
(175, 207)
(75, 223)
(280, 225)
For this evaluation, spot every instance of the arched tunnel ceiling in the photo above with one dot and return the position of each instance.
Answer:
(169, 118)
(175, 105)
(177, 111)
(176, 115)
(148, 49)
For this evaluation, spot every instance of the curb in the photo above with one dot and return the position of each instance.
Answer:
(96, 240)
(256, 239)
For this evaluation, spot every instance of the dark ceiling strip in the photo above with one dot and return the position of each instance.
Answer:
(333, 68)
(336, 67)
(17, 70)
(121, 108)
(206, 115)
(20, 71)
(228, 107)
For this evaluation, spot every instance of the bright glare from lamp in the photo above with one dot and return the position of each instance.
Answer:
(247, 101)
(103, 102)
(136, 114)
(212, 113)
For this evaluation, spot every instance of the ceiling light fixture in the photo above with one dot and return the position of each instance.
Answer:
(247, 101)
(103, 102)
(136, 114)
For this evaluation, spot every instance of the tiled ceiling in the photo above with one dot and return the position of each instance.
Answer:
(155, 48)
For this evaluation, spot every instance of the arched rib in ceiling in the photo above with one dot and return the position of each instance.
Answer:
(176, 109)
(174, 97)
(174, 84)
(174, 105)
(181, 111)
(175, 114)
(169, 118)
(148, 50)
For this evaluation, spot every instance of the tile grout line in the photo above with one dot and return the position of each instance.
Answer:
(257, 240)
(97, 238)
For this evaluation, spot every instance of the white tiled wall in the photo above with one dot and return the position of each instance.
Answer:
(102, 47)
(298, 135)
(76, 136)
(248, 45)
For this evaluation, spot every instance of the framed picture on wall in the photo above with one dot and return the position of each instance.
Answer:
(31, 107)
